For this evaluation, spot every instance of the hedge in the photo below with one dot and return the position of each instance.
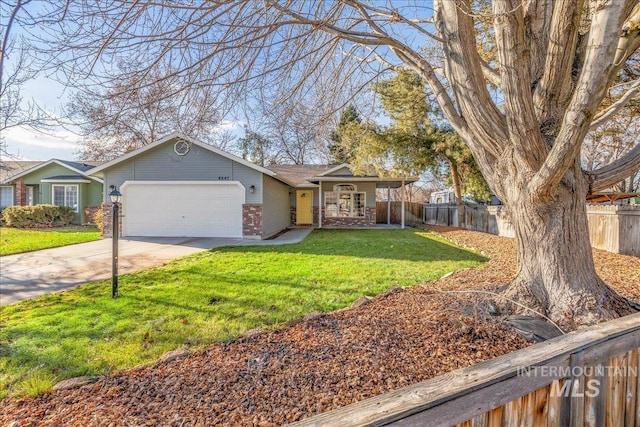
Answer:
(37, 216)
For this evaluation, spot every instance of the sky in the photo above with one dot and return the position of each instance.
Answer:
(59, 143)
(29, 145)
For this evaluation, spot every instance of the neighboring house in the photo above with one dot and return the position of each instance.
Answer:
(180, 187)
(8, 168)
(443, 196)
(58, 182)
(448, 196)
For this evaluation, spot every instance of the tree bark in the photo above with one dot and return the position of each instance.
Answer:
(556, 274)
(457, 191)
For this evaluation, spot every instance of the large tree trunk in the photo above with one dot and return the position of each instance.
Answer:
(457, 191)
(556, 274)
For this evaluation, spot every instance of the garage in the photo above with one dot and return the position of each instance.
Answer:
(182, 209)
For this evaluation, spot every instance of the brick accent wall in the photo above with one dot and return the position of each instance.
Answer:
(369, 220)
(294, 216)
(107, 211)
(21, 193)
(252, 220)
(89, 214)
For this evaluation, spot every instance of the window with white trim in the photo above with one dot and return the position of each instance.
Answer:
(65, 195)
(6, 196)
(30, 195)
(344, 201)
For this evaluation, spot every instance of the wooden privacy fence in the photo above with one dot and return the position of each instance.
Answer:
(585, 378)
(615, 228)
(413, 212)
(611, 228)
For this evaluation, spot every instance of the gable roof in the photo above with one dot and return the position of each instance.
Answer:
(81, 166)
(178, 136)
(296, 175)
(312, 175)
(77, 167)
(334, 169)
(9, 168)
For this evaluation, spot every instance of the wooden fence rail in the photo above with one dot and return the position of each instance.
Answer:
(611, 228)
(413, 212)
(585, 378)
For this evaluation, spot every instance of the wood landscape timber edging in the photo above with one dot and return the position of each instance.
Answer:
(468, 392)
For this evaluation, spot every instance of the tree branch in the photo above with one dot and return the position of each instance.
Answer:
(491, 74)
(590, 89)
(5, 36)
(394, 16)
(524, 132)
(466, 79)
(558, 65)
(615, 172)
(607, 114)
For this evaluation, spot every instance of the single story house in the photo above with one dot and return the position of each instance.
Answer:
(9, 168)
(179, 187)
(58, 182)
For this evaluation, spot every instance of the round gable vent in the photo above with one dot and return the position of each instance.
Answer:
(181, 148)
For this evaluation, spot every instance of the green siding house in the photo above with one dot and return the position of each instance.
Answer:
(58, 182)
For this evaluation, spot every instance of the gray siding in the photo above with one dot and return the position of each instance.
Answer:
(249, 177)
(276, 214)
(199, 164)
(342, 171)
(294, 201)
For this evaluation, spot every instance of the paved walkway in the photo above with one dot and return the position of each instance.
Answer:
(32, 274)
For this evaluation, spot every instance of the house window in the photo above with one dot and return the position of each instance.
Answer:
(66, 195)
(344, 201)
(6, 196)
(30, 197)
(344, 187)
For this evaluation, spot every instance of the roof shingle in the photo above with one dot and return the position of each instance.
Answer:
(9, 168)
(297, 174)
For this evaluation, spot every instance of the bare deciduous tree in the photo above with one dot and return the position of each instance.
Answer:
(18, 67)
(140, 108)
(553, 65)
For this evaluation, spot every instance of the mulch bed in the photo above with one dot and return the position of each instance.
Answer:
(316, 364)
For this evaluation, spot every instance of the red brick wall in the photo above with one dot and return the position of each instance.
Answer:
(89, 214)
(21, 193)
(252, 220)
(369, 220)
(107, 212)
(294, 213)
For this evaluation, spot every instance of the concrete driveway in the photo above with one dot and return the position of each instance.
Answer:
(32, 274)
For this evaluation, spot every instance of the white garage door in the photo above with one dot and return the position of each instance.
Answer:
(182, 209)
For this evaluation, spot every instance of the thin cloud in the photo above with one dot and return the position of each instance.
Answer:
(20, 137)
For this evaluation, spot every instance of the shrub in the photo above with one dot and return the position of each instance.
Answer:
(37, 216)
(98, 219)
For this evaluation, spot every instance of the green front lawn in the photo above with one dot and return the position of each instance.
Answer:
(207, 297)
(17, 240)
